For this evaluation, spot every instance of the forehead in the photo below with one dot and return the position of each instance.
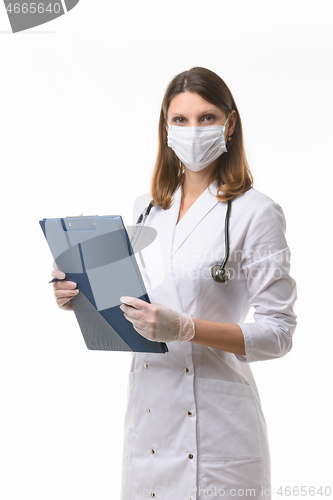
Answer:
(190, 101)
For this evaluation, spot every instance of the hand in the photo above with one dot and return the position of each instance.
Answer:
(64, 291)
(157, 322)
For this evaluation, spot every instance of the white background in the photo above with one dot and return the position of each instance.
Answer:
(79, 105)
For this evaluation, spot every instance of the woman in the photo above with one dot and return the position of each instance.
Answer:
(194, 425)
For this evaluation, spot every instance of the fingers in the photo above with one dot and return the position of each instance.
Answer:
(145, 333)
(63, 290)
(134, 302)
(66, 306)
(58, 274)
(63, 298)
(66, 294)
(138, 309)
(62, 285)
(132, 313)
(143, 319)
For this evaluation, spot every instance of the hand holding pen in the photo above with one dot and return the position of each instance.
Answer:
(64, 291)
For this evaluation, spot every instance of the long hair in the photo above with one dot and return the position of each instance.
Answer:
(232, 172)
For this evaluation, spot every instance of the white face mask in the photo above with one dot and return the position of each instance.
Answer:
(197, 147)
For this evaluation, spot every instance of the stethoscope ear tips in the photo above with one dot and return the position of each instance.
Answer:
(220, 275)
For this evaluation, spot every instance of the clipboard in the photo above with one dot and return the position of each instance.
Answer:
(96, 253)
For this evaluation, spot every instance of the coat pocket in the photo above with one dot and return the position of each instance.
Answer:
(227, 420)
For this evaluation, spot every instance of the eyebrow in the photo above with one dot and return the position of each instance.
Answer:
(204, 113)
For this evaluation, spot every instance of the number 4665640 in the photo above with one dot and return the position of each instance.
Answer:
(33, 8)
(304, 491)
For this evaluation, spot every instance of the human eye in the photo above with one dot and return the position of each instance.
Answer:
(208, 118)
(178, 119)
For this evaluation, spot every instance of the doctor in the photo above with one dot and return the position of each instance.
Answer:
(194, 426)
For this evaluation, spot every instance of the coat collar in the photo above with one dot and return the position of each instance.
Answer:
(172, 236)
(177, 234)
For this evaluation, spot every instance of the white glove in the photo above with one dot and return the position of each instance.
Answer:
(157, 322)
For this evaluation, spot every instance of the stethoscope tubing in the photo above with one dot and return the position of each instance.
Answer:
(143, 216)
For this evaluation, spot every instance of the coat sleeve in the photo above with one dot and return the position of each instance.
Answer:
(271, 290)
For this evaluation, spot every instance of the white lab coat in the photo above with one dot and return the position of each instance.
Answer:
(194, 425)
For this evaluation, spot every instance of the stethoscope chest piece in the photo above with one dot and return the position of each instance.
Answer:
(220, 275)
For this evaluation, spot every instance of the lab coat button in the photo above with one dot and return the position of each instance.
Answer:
(187, 370)
(152, 494)
(189, 414)
(148, 410)
(152, 452)
(190, 455)
(145, 365)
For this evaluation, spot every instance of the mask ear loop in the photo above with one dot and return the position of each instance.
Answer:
(226, 123)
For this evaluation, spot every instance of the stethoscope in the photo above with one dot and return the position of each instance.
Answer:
(218, 272)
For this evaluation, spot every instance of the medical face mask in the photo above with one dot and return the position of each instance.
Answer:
(197, 147)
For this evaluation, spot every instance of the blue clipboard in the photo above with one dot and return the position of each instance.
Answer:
(96, 253)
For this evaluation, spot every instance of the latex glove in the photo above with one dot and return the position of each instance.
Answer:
(157, 322)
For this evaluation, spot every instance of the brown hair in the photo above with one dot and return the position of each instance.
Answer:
(232, 172)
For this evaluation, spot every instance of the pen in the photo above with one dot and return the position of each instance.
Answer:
(55, 279)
